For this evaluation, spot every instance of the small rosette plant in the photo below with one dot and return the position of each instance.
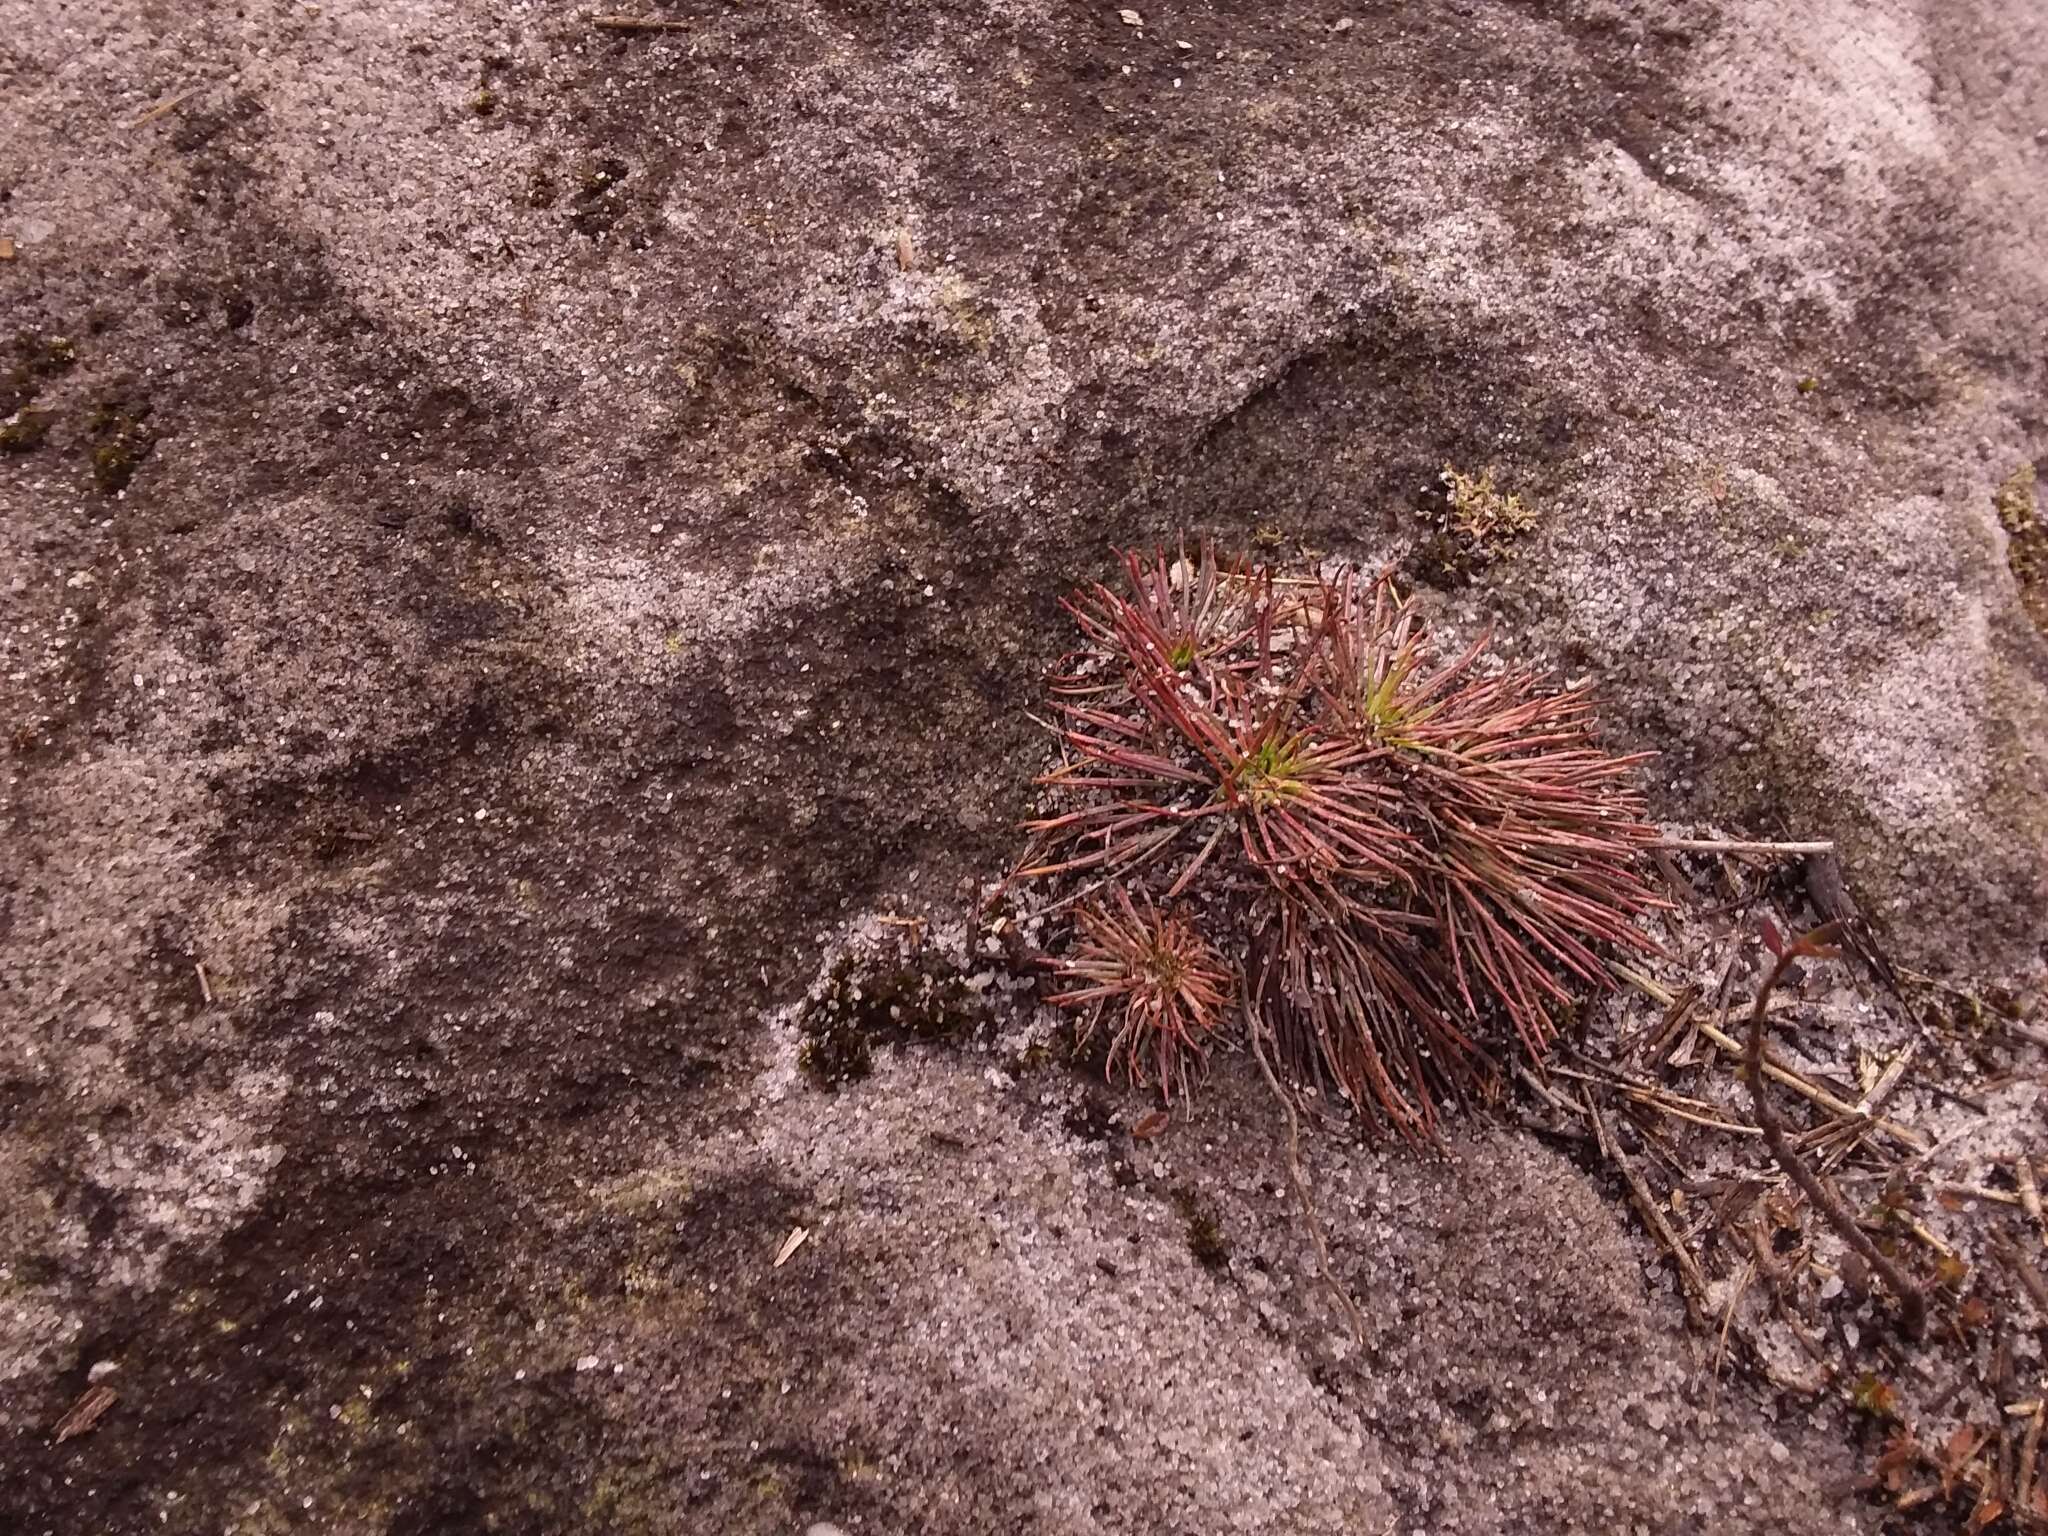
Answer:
(1411, 859)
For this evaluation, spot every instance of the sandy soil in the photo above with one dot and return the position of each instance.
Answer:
(516, 537)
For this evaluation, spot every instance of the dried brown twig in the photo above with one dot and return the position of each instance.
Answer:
(638, 24)
(1695, 1282)
(90, 1408)
(1255, 1029)
(1738, 845)
(1912, 1303)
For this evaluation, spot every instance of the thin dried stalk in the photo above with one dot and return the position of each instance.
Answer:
(2030, 1194)
(1912, 1304)
(1695, 1282)
(2029, 1277)
(637, 24)
(1779, 1073)
(1736, 845)
(2023, 1485)
(1256, 1030)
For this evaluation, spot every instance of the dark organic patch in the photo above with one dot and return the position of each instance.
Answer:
(835, 1049)
(541, 190)
(462, 517)
(1439, 561)
(1206, 1240)
(600, 176)
(878, 999)
(26, 432)
(604, 205)
(1048, 1051)
(2026, 549)
(121, 439)
(1091, 1117)
(35, 359)
(197, 126)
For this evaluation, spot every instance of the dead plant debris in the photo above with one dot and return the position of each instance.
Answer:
(638, 24)
(896, 989)
(1480, 512)
(91, 1407)
(1280, 820)
(1846, 1189)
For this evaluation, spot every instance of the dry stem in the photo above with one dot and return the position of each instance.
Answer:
(1912, 1304)
(1653, 1216)
(637, 24)
(165, 107)
(1256, 1030)
(1779, 1073)
(1737, 845)
(2030, 1193)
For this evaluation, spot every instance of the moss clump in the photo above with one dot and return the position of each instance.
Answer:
(1474, 520)
(1205, 1237)
(597, 206)
(1042, 1054)
(1479, 512)
(876, 999)
(114, 464)
(1207, 1242)
(26, 432)
(599, 176)
(121, 439)
(35, 359)
(2026, 549)
(836, 1050)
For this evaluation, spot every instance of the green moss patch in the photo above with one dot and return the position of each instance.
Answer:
(121, 439)
(1473, 520)
(26, 432)
(2026, 549)
(34, 359)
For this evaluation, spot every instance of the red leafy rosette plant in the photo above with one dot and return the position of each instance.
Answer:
(1156, 982)
(1413, 857)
